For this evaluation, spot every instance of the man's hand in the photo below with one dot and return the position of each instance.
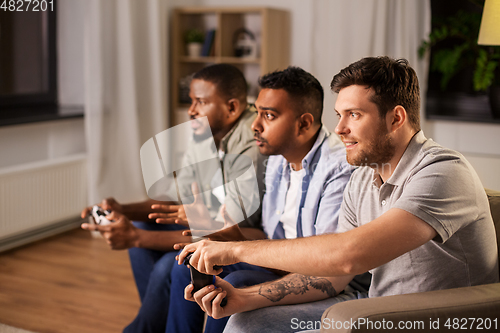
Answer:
(169, 214)
(120, 234)
(194, 215)
(229, 232)
(106, 204)
(210, 297)
(207, 254)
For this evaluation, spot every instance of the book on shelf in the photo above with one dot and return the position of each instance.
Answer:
(208, 44)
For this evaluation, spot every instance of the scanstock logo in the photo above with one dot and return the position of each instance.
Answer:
(202, 180)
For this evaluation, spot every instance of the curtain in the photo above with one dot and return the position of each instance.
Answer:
(348, 30)
(125, 92)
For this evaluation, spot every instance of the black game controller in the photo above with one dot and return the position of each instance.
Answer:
(200, 280)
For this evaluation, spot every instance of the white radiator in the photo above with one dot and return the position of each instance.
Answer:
(40, 199)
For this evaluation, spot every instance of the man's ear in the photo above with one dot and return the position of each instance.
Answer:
(306, 121)
(396, 118)
(233, 107)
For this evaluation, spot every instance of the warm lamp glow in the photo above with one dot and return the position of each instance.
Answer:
(489, 34)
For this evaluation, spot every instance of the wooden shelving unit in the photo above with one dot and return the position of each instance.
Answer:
(271, 30)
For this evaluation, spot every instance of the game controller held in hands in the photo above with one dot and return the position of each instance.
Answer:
(200, 280)
(100, 214)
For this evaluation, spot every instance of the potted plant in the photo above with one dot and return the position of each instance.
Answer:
(194, 40)
(457, 49)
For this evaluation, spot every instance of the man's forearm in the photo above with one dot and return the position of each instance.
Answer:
(160, 240)
(253, 233)
(353, 252)
(285, 254)
(297, 284)
(293, 289)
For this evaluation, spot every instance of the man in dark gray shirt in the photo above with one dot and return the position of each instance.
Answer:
(414, 214)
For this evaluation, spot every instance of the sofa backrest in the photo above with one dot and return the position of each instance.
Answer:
(494, 199)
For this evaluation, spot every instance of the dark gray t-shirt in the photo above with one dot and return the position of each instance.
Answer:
(440, 187)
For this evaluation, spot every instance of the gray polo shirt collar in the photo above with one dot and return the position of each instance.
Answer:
(408, 160)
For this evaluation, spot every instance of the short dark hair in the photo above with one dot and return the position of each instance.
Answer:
(229, 80)
(394, 82)
(301, 86)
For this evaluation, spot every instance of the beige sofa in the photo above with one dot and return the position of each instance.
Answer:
(462, 309)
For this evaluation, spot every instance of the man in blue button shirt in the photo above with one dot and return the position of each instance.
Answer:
(305, 178)
(305, 157)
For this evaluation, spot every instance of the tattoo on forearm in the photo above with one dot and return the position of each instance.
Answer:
(295, 284)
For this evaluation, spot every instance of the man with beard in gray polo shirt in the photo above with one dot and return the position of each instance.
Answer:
(414, 214)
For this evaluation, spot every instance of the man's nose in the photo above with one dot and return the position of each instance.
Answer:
(192, 109)
(341, 128)
(256, 125)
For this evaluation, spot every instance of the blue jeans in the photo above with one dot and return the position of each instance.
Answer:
(186, 316)
(286, 318)
(152, 276)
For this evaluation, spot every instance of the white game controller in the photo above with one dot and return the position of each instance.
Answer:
(99, 215)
